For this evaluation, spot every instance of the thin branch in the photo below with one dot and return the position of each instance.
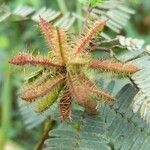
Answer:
(62, 6)
(79, 12)
(49, 125)
(132, 81)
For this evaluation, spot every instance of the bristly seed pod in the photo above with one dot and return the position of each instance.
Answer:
(118, 68)
(33, 93)
(83, 43)
(64, 69)
(94, 90)
(103, 95)
(26, 58)
(65, 104)
(84, 99)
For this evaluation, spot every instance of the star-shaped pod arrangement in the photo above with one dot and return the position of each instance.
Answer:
(63, 77)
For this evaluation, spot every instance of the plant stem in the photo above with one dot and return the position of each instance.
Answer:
(62, 6)
(48, 126)
(79, 12)
(6, 109)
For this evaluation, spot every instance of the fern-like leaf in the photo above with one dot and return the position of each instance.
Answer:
(115, 127)
(116, 12)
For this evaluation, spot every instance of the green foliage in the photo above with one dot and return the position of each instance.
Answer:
(4, 41)
(91, 2)
(117, 14)
(6, 108)
(21, 13)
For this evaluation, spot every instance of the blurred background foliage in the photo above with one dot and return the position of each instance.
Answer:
(17, 35)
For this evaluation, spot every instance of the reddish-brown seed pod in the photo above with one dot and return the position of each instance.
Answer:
(27, 58)
(34, 93)
(57, 40)
(83, 97)
(66, 80)
(103, 95)
(81, 94)
(89, 85)
(65, 104)
(119, 68)
(47, 30)
(83, 43)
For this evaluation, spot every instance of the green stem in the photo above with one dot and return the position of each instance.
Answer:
(49, 124)
(62, 6)
(6, 109)
(79, 12)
